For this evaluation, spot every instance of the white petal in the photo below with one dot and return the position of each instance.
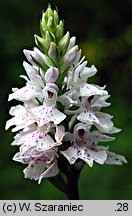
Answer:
(106, 123)
(88, 72)
(35, 169)
(60, 133)
(46, 114)
(26, 93)
(75, 152)
(88, 117)
(52, 171)
(113, 158)
(88, 90)
(22, 118)
(29, 69)
(57, 116)
(98, 156)
(96, 136)
(16, 110)
(77, 71)
(44, 143)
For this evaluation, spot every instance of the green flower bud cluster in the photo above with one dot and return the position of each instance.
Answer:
(53, 41)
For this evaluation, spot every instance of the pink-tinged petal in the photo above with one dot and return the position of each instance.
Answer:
(26, 93)
(24, 156)
(88, 90)
(22, 159)
(42, 114)
(115, 159)
(60, 133)
(51, 171)
(69, 98)
(51, 75)
(29, 154)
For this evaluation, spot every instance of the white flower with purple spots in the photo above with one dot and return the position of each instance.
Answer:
(22, 118)
(84, 147)
(41, 164)
(39, 137)
(48, 111)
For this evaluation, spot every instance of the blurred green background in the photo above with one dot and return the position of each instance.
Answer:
(104, 33)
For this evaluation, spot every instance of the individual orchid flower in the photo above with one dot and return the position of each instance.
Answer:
(84, 146)
(48, 111)
(88, 112)
(39, 137)
(79, 75)
(41, 164)
(33, 88)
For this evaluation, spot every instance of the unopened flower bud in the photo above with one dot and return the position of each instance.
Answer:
(39, 58)
(48, 38)
(70, 55)
(51, 75)
(43, 25)
(59, 30)
(72, 42)
(56, 17)
(47, 14)
(64, 42)
(52, 50)
(27, 53)
(40, 42)
(50, 23)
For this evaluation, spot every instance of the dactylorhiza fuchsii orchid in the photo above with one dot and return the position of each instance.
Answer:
(59, 120)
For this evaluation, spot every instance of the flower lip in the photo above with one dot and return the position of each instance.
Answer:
(50, 94)
(81, 133)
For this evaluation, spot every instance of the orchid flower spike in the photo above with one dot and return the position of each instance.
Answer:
(59, 121)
